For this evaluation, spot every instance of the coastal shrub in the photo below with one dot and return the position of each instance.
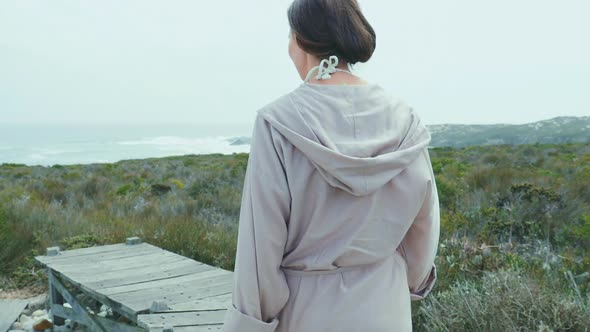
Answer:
(71, 176)
(581, 231)
(94, 187)
(16, 241)
(52, 190)
(29, 273)
(448, 193)
(506, 300)
(159, 189)
(177, 183)
(4, 234)
(123, 190)
(491, 179)
(12, 165)
(81, 241)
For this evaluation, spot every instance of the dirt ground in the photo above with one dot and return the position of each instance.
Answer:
(24, 293)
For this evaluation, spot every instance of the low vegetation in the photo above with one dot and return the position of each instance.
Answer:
(515, 233)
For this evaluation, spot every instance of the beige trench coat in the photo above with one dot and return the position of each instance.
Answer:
(339, 222)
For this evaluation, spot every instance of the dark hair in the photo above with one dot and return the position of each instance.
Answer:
(332, 27)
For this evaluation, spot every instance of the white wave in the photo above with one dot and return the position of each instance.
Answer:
(201, 145)
(108, 152)
(173, 140)
(55, 152)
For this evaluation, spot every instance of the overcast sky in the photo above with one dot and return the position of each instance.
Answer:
(195, 61)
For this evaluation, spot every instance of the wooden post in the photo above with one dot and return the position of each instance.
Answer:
(52, 251)
(158, 306)
(133, 240)
(54, 296)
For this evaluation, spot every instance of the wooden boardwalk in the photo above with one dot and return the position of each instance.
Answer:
(10, 311)
(153, 289)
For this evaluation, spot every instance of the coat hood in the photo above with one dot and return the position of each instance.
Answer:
(358, 137)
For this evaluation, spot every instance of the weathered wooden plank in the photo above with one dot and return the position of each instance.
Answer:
(172, 295)
(188, 318)
(201, 328)
(10, 310)
(122, 263)
(218, 290)
(217, 302)
(88, 259)
(93, 250)
(127, 264)
(148, 273)
(152, 284)
(98, 258)
(167, 292)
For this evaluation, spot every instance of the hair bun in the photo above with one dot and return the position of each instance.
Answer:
(332, 27)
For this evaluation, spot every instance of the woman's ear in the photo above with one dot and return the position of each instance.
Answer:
(297, 55)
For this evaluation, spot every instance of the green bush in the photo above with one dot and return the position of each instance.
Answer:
(81, 241)
(123, 190)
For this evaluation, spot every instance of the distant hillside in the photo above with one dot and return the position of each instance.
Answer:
(565, 129)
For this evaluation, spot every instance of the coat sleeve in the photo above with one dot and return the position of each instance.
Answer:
(420, 243)
(260, 287)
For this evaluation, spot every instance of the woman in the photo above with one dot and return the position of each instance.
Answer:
(339, 223)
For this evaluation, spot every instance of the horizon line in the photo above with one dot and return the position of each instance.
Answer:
(176, 123)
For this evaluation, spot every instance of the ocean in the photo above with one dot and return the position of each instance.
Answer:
(48, 145)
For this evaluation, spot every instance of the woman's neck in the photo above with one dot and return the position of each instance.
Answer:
(338, 77)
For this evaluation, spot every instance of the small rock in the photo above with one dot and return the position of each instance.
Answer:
(28, 326)
(62, 328)
(24, 319)
(39, 313)
(38, 302)
(17, 326)
(43, 325)
(39, 319)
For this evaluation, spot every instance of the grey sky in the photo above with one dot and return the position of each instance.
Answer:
(113, 61)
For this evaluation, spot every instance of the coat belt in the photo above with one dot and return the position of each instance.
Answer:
(303, 273)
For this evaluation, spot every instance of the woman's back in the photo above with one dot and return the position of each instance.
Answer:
(346, 178)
